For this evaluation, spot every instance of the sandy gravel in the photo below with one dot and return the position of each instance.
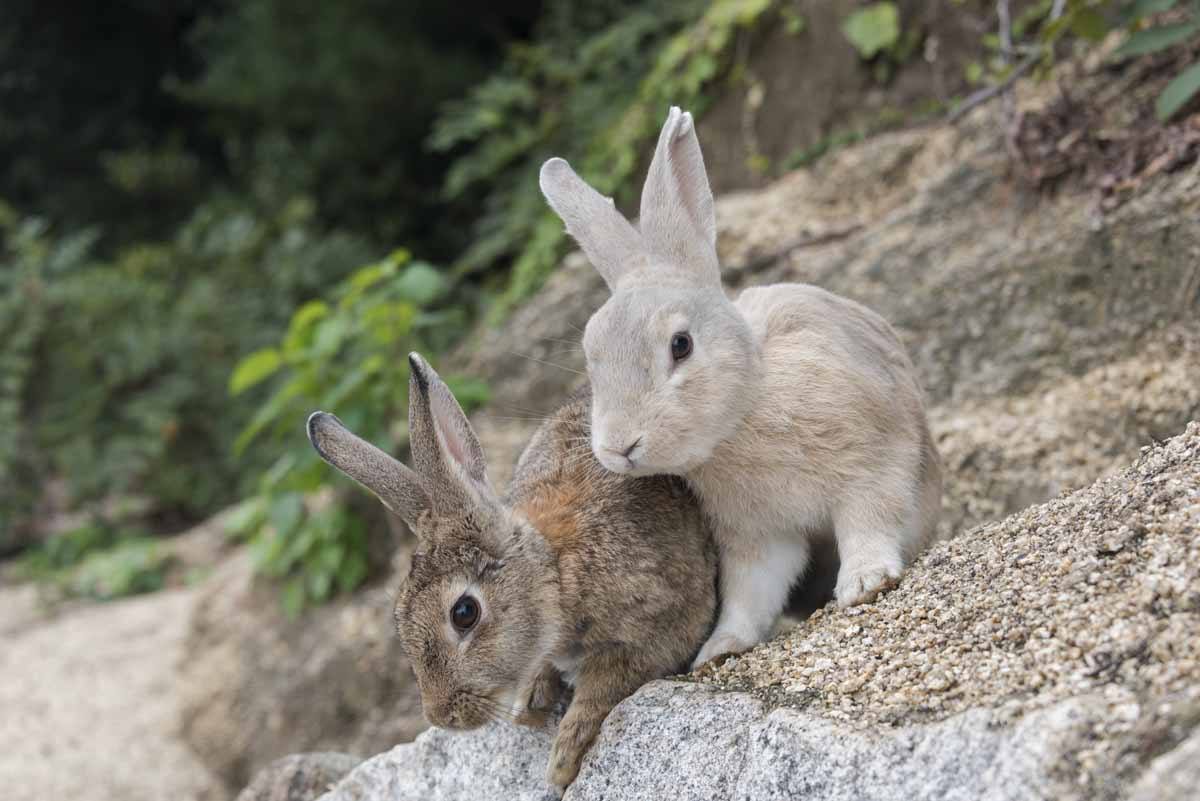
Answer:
(1097, 591)
(87, 703)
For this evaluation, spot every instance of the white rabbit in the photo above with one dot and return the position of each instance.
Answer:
(794, 413)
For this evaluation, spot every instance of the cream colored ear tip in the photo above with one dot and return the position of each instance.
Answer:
(685, 124)
(553, 168)
(679, 121)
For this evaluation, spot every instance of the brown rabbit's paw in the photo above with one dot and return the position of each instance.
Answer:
(567, 753)
(544, 695)
(861, 586)
(563, 769)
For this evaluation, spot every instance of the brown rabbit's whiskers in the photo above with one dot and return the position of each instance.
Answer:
(491, 708)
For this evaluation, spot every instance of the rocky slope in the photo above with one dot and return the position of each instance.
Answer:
(256, 685)
(87, 701)
(1055, 654)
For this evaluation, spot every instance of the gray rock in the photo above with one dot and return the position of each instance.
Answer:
(1174, 776)
(692, 743)
(299, 777)
(255, 685)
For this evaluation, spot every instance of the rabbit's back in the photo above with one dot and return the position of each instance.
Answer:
(637, 559)
(839, 409)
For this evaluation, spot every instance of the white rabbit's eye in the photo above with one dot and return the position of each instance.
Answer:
(465, 613)
(681, 346)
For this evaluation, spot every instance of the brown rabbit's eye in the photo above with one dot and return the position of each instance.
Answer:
(465, 613)
(681, 346)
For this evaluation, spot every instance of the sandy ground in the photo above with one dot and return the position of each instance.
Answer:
(87, 707)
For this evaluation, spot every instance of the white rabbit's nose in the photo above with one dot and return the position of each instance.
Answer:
(628, 452)
(620, 458)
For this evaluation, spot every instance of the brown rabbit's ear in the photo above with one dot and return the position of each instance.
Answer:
(677, 220)
(398, 488)
(445, 450)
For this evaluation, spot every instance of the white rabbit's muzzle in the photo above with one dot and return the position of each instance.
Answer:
(620, 454)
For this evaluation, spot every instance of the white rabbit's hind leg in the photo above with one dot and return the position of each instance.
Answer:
(755, 580)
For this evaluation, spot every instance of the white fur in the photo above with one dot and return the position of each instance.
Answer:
(797, 415)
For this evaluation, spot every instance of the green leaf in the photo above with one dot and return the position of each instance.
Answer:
(293, 597)
(285, 513)
(254, 369)
(246, 517)
(331, 333)
(352, 571)
(421, 284)
(371, 275)
(873, 29)
(300, 329)
(267, 414)
(319, 585)
(1178, 92)
(1087, 23)
(471, 393)
(1144, 8)
(793, 23)
(1153, 40)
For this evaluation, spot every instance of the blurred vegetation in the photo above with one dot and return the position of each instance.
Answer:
(189, 190)
(98, 561)
(1154, 26)
(344, 352)
(592, 87)
(171, 193)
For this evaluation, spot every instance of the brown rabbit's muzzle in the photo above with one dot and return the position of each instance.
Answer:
(459, 709)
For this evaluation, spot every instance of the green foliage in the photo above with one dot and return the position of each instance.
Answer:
(81, 86)
(1154, 39)
(345, 352)
(593, 87)
(125, 393)
(873, 29)
(334, 100)
(98, 561)
(876, 33)
(130, 567)
(1178, 92)
(1154, 26)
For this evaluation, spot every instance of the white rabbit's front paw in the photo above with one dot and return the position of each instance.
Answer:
(719, 644)
(862, 585)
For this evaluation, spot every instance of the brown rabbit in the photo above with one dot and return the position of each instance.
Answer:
(604, 580)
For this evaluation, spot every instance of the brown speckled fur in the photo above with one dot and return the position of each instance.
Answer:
(603, 580)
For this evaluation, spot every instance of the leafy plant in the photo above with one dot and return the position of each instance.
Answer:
(1148, 37)
(1154, 26)
(344, 353)
(124, 393)
(593, 86)
(98, 560)
(873, 29)
(131, 567)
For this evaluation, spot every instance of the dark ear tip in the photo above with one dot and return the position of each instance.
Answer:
(316, 422)
(418, 368)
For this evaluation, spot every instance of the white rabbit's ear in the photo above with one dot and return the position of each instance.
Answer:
(446, 452)
(677, 220)
(610, 241)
